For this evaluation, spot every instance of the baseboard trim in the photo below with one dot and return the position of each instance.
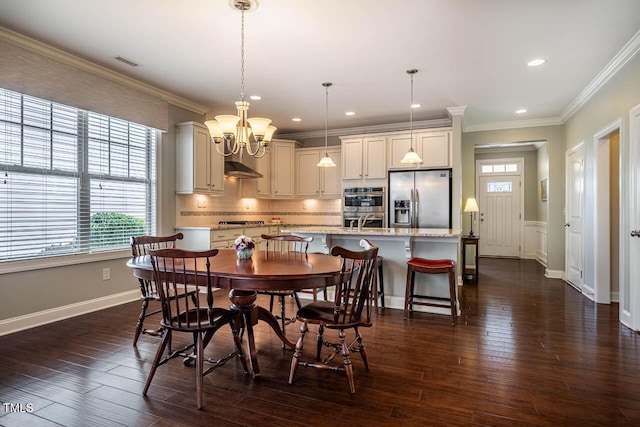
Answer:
(554, 274)
(615, 297)
(31, 320)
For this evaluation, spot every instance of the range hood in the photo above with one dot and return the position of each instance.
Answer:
(236, 169)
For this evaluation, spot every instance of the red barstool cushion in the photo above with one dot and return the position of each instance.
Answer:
(430, 263)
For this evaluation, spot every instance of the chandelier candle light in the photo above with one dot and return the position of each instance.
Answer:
(411, 156)
(236, 130)
(326, 161)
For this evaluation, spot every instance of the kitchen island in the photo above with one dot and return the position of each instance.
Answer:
(396, 245)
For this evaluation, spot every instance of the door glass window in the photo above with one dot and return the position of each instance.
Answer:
(499, 187)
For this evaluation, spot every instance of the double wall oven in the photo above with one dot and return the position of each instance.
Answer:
(364, 202)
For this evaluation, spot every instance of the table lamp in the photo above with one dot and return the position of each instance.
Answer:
(471, 206)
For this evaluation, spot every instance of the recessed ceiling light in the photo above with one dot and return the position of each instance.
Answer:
(296, 119)
(416, 105)
(255, 97)
(536, 62)
(350, 113)
(521, 111)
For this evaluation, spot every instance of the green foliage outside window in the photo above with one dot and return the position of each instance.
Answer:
(109, 229)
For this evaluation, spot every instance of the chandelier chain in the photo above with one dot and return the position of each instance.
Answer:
(242, 58)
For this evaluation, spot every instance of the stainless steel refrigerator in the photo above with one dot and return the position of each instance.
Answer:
(420, 199)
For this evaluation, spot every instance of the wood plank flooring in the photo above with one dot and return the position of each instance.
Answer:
(527, 351)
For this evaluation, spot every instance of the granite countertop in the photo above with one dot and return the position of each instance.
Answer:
(400, 232)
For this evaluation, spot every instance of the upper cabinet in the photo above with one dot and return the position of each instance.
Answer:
(278, 172)
(199, 167)
(282, 171)
(315, 182)
(263, 185)
(364, 157)
(433, 147)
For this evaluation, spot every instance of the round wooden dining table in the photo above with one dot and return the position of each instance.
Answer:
(264, 271)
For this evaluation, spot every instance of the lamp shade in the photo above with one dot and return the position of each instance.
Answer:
(259, 125)
(228, 123)
(326, 162)
(471, 205)
(214, 129)
(270, 131)
(411, 157)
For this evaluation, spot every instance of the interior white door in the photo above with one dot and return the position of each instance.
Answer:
(500, 215)
(574, 240)
(630, 229)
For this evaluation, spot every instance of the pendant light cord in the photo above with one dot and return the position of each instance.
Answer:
(326, 118)
(411, 113)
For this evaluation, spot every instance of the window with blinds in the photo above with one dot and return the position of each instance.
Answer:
(72, 181)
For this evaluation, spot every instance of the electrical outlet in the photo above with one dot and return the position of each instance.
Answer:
(106, 274)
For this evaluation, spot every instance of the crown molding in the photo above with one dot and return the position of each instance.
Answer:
(625, 54)
(457, 111)
(43, 49)
(515, 124)
(390, 127)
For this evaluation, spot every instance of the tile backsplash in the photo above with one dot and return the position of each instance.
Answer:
(203, 210)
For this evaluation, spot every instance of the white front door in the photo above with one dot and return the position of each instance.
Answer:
(500, 215)
(574, 241)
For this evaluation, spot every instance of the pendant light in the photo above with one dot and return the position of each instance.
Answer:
(411, 156)
(236, 130)
(326, 161)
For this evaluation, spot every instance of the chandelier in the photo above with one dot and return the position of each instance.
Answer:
(234, 132)
(326, 161)
(411, 156)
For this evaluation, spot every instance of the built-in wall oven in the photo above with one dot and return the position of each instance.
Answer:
(365, 204)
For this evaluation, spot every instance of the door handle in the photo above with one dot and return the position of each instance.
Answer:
(417, 209)
(634, 233)
(567, 225)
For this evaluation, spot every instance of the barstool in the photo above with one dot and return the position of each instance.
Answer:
(429, 266)
(378, 289)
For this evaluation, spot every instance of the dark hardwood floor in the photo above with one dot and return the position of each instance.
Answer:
(527, 351)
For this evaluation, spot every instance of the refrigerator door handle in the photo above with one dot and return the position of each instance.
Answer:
(412, 207)
(417, 225)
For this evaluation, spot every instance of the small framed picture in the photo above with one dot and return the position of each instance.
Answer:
(543, 190)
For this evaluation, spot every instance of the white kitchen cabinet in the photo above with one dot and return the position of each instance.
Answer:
(282, 171)
(263, 185)
(433, 147)
(199, 167)
(278, 172)
(315, 182)
(205, 238)
(364, 157)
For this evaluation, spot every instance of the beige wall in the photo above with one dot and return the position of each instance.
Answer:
(554, 135)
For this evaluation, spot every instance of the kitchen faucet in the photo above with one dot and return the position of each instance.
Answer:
(362, 220)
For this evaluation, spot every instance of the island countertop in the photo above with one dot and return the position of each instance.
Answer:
(399, 232)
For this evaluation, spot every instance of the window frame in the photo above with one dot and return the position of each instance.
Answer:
(85, 254)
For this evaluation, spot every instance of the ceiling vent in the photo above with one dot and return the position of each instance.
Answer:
(127, 61)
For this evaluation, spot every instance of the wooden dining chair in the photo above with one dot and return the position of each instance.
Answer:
(175, 272)
(140, 246)
(286, 244)
(349, 310)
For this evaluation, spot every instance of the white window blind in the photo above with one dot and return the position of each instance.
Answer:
(72, 181)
